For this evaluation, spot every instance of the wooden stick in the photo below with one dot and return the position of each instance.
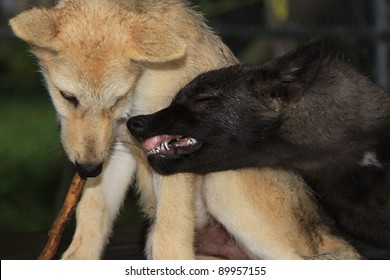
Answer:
(63, 218)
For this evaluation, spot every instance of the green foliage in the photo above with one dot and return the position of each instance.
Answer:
(31, 162)
(19, 73)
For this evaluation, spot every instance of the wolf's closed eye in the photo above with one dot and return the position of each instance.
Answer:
(72, 99)
(120, 100)
(206, 96)
(203, 98)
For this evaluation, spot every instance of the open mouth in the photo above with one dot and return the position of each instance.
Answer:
(170, 146)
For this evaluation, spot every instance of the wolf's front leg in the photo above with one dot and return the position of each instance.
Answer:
(173, 230)
(253, 208)
(99, 205)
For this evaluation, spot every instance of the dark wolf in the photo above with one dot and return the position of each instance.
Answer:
(304, 111)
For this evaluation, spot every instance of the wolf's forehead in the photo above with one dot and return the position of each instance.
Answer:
(95, 48)
(91, 75)
(92, 68)
(90, 28)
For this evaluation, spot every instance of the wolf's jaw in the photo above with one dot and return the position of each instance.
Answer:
(170, 146)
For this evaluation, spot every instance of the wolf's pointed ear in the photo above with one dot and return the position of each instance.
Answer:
(299, 64)
(295, 71)
(286, 78)
(154, 42)
(38, 27)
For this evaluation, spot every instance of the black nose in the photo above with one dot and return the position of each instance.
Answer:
(137, 124)
(89, 170)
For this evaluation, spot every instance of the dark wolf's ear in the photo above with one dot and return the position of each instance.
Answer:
(296, 65)
(295, 71)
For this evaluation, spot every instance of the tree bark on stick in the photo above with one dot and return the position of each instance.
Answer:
(63, 218)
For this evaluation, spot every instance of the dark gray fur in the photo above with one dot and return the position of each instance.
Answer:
(304, 112)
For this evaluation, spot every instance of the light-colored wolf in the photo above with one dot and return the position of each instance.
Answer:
(104, 61)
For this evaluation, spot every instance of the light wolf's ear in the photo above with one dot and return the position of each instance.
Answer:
(38, 27)
(154, 42)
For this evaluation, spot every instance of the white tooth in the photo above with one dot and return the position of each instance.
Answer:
(166, 146)
(162, 147)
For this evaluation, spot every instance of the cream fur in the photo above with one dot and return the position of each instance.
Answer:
(122, 58)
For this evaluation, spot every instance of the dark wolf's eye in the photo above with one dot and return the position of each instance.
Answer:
(70, 98)
(204, 97)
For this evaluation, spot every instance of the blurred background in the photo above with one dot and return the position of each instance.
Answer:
(34, 173)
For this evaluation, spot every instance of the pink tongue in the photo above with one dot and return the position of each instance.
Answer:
(154, 142)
